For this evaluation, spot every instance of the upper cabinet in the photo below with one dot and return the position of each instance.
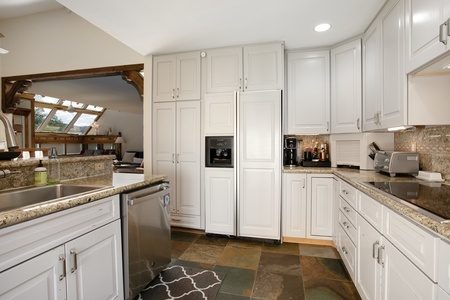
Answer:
(248, 68)
(346, 83)
(176, 77)
(308, 92)
(427, 31)
(384, 79)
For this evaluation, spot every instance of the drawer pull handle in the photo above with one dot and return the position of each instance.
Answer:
(346, 209)
(344, 250)
(176, 220)
(346, 225)
(380, 255)
(344, 192)
(375, 250)
(62, 258)
(75, 266)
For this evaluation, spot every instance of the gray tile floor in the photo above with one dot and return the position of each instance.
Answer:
(263, 270)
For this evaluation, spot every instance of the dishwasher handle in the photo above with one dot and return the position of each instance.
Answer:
(147, 194)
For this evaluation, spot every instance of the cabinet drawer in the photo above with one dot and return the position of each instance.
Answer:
(348, 211)
(348, 192)
(25, 240)
(371, 210)
(415, 243)
(348, 227)
(185, 221)
(348, 252)
(444, 266)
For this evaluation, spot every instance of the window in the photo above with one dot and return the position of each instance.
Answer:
(64, 116)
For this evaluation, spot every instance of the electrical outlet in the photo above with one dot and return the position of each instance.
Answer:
(99, 166)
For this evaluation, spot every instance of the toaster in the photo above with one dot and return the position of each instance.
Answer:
(394, 162)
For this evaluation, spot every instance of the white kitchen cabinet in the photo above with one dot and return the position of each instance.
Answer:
(294, 205)
(259, 171)
(308, 92)
(176, 77)
(320, 206)
(176, 153)
(248, 68)
(383, 272)
(346, 86)
(219, 114)
(37, 278)
(72, 254)
(220, 201)
(426, 31)
(384, 78)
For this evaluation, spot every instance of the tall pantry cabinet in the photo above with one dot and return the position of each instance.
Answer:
(176, 133)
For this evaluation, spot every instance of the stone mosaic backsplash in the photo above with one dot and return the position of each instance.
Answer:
(433, 145)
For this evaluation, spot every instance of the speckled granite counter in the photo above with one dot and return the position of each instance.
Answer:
(122, 183)
(357, 178)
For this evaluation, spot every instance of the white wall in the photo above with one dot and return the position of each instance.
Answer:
(59, 41)
(130, 125)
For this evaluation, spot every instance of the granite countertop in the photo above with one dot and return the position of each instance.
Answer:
(357, 178)
(110, 185)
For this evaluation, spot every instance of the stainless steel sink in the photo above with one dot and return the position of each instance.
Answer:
(24, 197)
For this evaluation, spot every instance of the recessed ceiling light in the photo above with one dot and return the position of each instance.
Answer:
(322, 27)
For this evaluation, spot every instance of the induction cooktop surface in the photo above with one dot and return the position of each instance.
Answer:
(432, 197)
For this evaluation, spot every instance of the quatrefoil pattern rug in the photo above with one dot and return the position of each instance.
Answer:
(178, 282)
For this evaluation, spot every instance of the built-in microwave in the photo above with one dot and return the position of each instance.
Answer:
(219, 151)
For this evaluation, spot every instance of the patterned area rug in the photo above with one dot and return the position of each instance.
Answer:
(177, 282)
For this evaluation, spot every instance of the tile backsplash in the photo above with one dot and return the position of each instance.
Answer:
(432, 144)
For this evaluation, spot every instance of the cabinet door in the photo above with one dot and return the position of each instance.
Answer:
(321, 207)
(188, 76)
(424, 22)
(402, 279)
(346, 85)
(188, 157)
(294, 205)
(220, 204)
(259, 182)
(164, 138)
(308, 92)
(219, 114)
(371, 77)
(367, 267)
(94, 264)
(41, 277)
(164, 78)
(263, 67)
(393, 100)
(224, 70)
(444, 266)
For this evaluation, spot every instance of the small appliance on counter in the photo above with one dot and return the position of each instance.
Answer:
(290, 151)
(317, 157)
(393, 162)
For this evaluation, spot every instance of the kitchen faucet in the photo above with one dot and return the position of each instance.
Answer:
(11, 139)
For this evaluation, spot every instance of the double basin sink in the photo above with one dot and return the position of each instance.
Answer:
(16, 199)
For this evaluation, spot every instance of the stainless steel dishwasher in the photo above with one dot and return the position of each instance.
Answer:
(146, 236)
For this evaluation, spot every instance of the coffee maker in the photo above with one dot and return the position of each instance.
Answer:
(290, 151)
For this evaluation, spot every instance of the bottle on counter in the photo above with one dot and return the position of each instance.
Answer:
(53, 167)
(40, 175)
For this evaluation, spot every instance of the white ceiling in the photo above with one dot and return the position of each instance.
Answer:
(164, 26)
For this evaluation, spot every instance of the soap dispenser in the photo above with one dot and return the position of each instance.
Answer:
(53, 167)
(40, 175)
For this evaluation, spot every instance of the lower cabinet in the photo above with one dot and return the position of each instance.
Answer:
(383, 272)
(308, 205)
(220, 204)
(85, 266)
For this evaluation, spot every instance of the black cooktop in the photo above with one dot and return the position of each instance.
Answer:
(432, 197)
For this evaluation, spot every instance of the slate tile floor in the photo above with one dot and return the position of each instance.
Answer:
(263, 270)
